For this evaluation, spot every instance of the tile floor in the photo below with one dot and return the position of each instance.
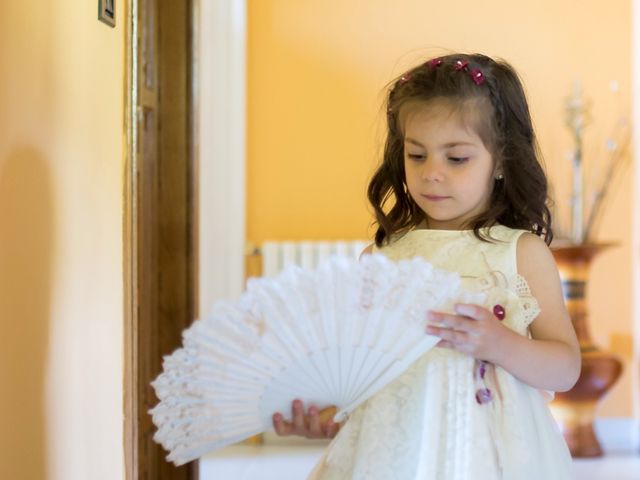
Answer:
(282, 462)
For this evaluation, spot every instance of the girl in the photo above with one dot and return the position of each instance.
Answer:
(461, 186)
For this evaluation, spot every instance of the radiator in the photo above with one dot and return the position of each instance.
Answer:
(307, 254)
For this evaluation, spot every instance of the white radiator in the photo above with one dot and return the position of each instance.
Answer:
(307, 254)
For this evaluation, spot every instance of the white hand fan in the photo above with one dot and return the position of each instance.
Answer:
(330, 336)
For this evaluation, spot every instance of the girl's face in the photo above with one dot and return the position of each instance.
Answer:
(449, 171)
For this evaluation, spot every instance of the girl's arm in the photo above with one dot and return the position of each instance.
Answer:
(549, 360)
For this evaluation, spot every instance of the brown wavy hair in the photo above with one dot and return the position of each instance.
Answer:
(519, 199)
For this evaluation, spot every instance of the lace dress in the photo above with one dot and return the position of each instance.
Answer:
(427, 423)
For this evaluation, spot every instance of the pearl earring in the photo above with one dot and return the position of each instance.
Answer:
(499, 176)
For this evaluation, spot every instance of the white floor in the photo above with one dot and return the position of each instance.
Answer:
(613, 466)
(281, 462)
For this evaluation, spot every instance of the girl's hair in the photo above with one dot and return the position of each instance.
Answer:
(518, 199)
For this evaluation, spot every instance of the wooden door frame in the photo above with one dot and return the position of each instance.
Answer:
(129, 241)
(162, 300)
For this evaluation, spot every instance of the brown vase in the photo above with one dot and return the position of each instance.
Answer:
(575, 410)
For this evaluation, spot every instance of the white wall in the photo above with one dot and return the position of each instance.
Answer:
(221, 158)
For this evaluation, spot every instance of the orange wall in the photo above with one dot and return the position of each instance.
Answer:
(61, 184)
(316, 72)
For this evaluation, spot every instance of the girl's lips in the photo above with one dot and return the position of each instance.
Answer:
(434, 198)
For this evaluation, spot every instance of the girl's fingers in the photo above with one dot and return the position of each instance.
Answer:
(331, 429)
(455, 322)
(471, 311)
(314, 422)
(297, 411)
(317, 424)
(471, 331)
(281, 427)
(448, 334)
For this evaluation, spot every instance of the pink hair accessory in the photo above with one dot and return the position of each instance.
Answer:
(477, 76)
(435, 62)
(404, 79)
(461, 65)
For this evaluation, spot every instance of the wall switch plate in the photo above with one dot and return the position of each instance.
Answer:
(107, 12)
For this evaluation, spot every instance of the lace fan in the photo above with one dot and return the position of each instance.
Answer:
(330, 336)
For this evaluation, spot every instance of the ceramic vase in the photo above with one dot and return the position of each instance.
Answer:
(575, 409)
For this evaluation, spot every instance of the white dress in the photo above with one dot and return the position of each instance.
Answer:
(427, 424)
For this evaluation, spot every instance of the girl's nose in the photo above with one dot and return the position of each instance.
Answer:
(432, 173)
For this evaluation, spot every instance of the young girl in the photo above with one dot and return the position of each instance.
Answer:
(461, 186)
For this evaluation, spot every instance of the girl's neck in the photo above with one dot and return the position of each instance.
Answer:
(424, 225)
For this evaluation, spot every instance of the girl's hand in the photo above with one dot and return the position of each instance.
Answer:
(474, 331)
(317, 424)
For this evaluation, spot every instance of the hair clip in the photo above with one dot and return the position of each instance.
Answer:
(405, 78)
(435, 62)
(461, 65)
(477, 76)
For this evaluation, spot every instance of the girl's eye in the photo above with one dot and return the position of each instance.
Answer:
(458, 159)
(415, 156)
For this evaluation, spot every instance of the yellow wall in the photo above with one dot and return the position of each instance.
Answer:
(316, 72)
(61, 184)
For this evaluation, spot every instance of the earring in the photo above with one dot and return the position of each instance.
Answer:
(499, 176)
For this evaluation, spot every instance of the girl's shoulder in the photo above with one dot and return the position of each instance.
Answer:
(523, 244)
(532, 252)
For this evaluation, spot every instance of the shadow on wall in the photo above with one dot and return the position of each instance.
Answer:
(26, 265)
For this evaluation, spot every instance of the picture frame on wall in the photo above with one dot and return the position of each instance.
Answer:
(107, 12)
